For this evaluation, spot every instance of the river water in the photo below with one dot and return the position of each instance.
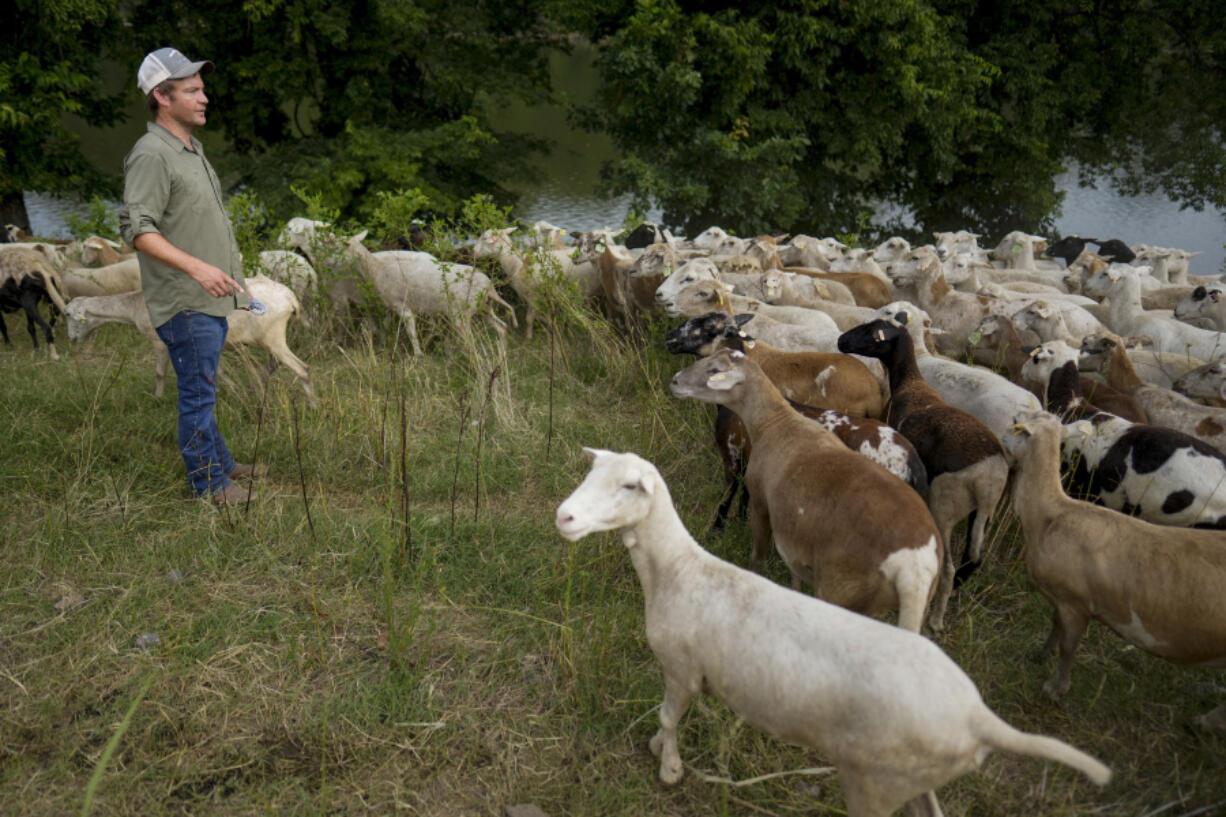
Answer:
(568, 176)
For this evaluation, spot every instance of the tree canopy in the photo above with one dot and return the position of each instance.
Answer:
(50, 65)
(796, 114)
(802, 115)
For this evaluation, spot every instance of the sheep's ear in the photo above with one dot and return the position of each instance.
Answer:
(1215, 294)
(725, 381)
(594, 453)
(743, 318)
(647, 483)
(360, 237)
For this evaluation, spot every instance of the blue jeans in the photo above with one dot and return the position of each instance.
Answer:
(195, 342)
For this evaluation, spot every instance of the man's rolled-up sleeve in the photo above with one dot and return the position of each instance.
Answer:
(146, 190)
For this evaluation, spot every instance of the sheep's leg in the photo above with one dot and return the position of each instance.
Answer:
(925, 805)
(1214, 721)
(760, 528)
(1073, 625)
(281, 352)
(1053, 640)
(677, 697)
(410, 319)
(29, 302)
(4, 330)
(734, 474)
(500, 329)
(863, 799)
(988, 493)
(529, 318)
(913, 598)
(945, 585)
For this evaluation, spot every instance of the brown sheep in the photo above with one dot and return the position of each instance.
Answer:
(1158, 587)
(967, 469)
(820, 380)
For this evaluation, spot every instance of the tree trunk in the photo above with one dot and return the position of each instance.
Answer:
(13, 210)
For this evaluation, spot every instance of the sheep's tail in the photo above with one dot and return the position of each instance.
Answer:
(53, 285)
(1000, 735)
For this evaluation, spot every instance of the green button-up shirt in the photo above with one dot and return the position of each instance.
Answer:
(173, 190)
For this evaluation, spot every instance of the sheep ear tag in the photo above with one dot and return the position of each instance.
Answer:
(880, 335)
(974, 337)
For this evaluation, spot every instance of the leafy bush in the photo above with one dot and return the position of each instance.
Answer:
(102, 219)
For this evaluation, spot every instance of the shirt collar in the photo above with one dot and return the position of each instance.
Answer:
(172, 140)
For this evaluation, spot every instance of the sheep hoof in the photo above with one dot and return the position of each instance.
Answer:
(656, 744)
(1054, 688)
(670, 774)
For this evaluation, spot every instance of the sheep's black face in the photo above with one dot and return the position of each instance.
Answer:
(872, 339)
(691, 337)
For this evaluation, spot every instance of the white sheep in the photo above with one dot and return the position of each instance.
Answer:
(887, 707)
(291, 269)
(698, 299)
(86, 314)
(120, 276)
(524, 269)
(1120, 284)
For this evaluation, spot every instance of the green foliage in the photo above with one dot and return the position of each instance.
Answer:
(102, 220)
(249, 218)
(50, 65)
(395, 212)
(354, 99)
(800, 116)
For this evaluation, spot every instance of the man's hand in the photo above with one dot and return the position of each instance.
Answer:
(214, 281)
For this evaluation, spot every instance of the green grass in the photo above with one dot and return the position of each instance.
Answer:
(424, 642)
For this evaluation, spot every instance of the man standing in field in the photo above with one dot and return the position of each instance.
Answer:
(190, 267)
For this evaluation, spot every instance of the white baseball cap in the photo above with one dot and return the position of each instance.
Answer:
(167, 63)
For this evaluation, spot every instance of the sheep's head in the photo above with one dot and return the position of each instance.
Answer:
(1032, 432)
(714, 379)
(79, 326)
(877, 338)
(618, 492)
(697, 298)
(657, 260)
(1044, 359)
(892, 249)
(698, 336)
(1207, 382)
(1099, 284)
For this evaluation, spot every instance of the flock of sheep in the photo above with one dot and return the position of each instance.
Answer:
(843, 390)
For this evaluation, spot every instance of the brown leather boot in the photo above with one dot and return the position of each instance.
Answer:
(243, 470)
(232, 494)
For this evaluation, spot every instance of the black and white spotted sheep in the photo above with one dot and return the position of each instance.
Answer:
(1158, 474)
